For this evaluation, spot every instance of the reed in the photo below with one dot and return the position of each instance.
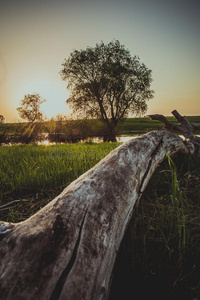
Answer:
(161, 247)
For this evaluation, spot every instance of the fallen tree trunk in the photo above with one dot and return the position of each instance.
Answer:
(67, 250)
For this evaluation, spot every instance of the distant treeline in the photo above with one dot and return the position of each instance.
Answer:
(71, 131)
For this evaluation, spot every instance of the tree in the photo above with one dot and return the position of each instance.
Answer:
(30, 108)
(106, 82)
(2, 119)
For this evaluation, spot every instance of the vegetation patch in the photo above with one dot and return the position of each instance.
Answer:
(61, 130)
(159, 255)
(37, 173)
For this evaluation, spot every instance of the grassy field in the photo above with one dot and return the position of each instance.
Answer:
(142, 125)
(159, 256)
(38, 173)
(90, 128)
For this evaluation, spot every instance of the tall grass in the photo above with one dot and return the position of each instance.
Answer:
(159, 256)
(28, 169)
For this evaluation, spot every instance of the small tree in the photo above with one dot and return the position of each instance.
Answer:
(106, 82)
(30, 108)
(2, 119)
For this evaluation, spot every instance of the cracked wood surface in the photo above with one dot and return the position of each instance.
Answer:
(67, 250)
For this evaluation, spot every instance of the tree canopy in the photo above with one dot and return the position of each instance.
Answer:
(106, 82)
(2, 119)
(30, 108)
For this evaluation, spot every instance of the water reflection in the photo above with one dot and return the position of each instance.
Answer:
(125, 138)
(120, 139)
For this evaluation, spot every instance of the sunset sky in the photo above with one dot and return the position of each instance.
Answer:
(36, 36)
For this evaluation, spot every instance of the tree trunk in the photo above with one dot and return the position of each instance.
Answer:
(110, 135)
(67, 250)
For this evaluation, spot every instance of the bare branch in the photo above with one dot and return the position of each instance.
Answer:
(184, 127)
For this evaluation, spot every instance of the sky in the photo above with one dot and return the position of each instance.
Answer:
(36, 36)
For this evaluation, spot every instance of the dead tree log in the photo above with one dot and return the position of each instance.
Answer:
(67, 250)
(184, 127)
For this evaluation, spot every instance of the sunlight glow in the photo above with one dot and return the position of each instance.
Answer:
(55, 94)
(36, 39)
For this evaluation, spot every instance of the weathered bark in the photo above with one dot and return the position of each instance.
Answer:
(67, 250)
(184, 127)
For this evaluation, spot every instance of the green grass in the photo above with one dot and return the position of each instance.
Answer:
(144, 124)
(159, 256)
(138, 125)
(40, 172)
